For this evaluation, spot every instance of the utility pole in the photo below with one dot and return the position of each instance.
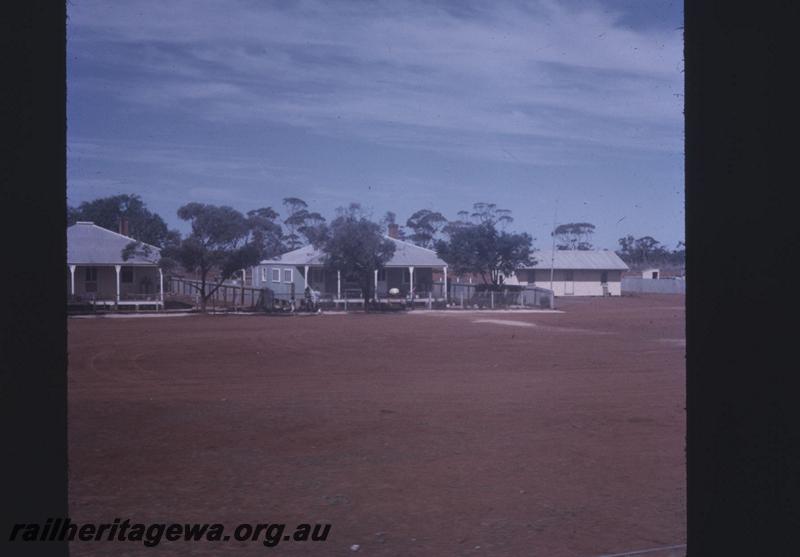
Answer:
(553, 251)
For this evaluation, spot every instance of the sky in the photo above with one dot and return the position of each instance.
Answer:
(568, 111)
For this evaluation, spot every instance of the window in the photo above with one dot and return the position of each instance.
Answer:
(127, 275)
(604, 277)
(381, 275)
(276, 275)
(263, 274)
(406, 276)
(90, 279)
(287, 275)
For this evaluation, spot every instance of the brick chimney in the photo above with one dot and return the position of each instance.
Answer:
(394, 230)
(123, 226)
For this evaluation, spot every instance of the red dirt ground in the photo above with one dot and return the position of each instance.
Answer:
(412, 434)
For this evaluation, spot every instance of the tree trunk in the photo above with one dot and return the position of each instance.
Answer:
(203, 297)
(366, 285)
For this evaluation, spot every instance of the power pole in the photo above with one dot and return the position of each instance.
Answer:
(553, 251)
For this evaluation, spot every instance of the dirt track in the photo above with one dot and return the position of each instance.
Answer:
(410, 434)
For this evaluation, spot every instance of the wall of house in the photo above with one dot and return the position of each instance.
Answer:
(394, 277)
(145, 280)
(398, 277)
(282, 288)
(585, 282)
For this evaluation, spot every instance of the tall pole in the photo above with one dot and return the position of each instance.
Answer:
(553, 251)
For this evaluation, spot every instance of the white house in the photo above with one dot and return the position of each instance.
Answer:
(97, 273)
(575, 272)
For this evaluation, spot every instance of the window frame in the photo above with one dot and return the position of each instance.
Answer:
(276, 270)
(291, 275)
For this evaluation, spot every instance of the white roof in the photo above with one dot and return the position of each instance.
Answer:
(405, 255)
(89, 244)
(603, 260)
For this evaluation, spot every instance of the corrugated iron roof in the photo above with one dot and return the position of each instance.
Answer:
(605, 260)
(89, 244)
(405, 255)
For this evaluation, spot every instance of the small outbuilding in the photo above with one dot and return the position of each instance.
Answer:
(575, 272)
(98, 275)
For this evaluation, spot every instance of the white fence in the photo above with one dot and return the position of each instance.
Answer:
(638, 285)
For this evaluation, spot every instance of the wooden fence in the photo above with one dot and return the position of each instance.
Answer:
(228, 295)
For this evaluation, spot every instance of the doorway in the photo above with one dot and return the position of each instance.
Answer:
(569, 284)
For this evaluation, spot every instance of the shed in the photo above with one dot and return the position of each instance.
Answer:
(575, 272)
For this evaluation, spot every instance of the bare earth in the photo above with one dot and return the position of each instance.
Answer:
(412, 434)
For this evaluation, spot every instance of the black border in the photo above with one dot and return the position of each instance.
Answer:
(33, 410)
(743, 420)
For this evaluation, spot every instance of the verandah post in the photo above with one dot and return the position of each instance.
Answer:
(118, 268)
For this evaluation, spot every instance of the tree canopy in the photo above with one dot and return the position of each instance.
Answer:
(425, 225)
(574, 236)
(218, 242)
(143, 225)
(490, 213)
(355, 246)
(266, 233)
(302, 226)
(482, 249)
(648, 251)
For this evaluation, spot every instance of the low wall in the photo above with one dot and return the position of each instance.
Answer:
(638, 285)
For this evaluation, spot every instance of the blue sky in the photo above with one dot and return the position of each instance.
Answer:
(573, 106)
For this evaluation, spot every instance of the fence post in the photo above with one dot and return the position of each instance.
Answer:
(462, 299)
(491, 296)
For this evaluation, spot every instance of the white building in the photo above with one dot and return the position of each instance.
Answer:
(576, 272)
(97, 273)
